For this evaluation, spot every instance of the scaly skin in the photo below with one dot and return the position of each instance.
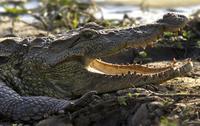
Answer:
(67, 66)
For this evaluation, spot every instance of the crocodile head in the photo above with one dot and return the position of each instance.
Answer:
(69, 65)
(92, 41)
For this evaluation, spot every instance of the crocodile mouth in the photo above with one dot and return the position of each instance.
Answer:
(143, 36)
(102, 67)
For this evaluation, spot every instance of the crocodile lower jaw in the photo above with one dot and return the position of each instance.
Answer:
(101, 67)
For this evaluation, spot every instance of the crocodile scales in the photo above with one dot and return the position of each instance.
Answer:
(37, 74)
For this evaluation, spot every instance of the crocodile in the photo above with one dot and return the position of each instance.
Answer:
(39, 74)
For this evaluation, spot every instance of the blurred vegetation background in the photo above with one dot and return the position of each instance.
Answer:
(62, 15)
(54, 14)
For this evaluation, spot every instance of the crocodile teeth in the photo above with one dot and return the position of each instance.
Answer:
(174, 60)
(189, 60)
(144, 47)
(151, 45)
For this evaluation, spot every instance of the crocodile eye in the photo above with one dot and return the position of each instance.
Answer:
(88, 33)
